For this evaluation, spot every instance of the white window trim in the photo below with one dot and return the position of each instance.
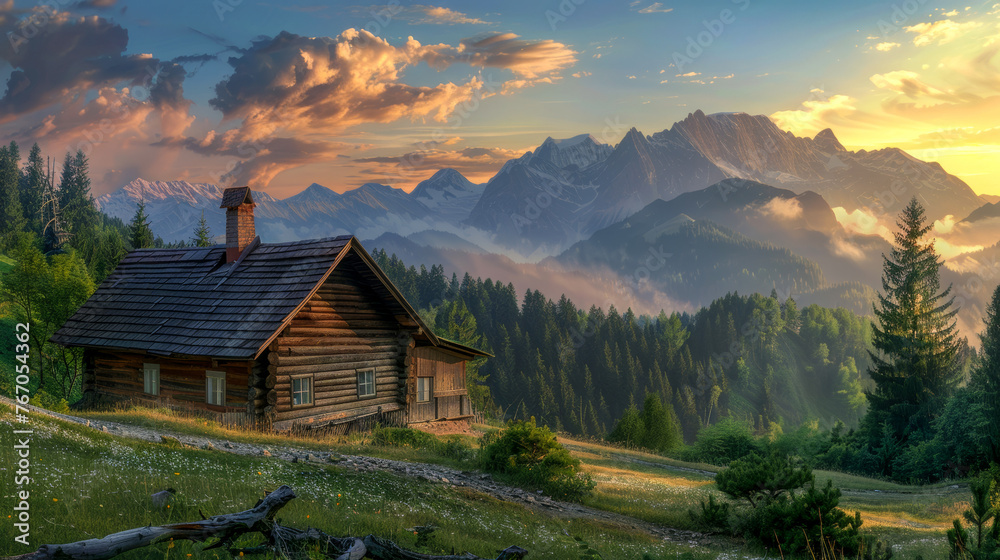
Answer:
(219, 376)
(365, 371)
(312, 390)
(430, 389)
(151, 386)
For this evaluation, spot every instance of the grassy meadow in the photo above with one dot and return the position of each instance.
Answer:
(88, 484)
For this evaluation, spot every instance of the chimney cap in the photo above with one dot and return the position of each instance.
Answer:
(236, 196)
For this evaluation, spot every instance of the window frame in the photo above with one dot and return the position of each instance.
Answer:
(147, 369)
(429, 381)
(219, 376)
(374, 390)
(312, 390)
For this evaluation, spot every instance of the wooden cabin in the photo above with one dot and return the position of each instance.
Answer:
(297, 335)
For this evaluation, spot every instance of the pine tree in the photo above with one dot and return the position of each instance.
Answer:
(915, 336)
(986, 375)
(33, 180)
(75, 201)
(140, 234)
(202, 235)
(11, 214)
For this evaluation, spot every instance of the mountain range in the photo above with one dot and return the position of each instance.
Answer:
(738, 204)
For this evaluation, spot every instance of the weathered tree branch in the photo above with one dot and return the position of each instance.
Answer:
(227, 527)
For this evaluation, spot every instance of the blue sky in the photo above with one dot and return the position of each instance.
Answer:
(343, 93)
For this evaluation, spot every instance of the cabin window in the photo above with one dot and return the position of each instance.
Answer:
(151, 379)
(366, 383)
(215, 387)
(302, 390)
(424, 389)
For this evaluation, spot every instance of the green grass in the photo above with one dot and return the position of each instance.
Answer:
(355, 444)
(662, 490)
(6, 263)
(89, 484)
(638, 484)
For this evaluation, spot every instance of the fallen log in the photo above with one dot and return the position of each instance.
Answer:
(226, 527)
(382, 549)
(287, 542)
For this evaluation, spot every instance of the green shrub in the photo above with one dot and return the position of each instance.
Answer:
(759, 479)
(722, 443)
(713, 514)
(804, 523)
(529, 455)
(44, 400)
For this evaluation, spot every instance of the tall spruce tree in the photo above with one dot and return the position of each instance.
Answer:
(33, 180)
(986, 375)
(915, 337)
(76, 204)
(140, 234)
(202, 235)
(11, 215)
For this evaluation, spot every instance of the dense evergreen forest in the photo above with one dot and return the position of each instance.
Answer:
(754, 358)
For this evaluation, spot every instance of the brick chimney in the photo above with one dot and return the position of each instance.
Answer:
(240, 230)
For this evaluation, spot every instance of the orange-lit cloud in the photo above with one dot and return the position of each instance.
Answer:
(406, 170)
(816, 114)
(939, 32)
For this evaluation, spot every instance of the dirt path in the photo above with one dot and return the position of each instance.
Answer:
(478, 482)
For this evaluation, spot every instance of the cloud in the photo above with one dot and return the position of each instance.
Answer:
(419, 14)
(947, 250)
(67, 55)
(167, 95)
(528, 59)
(909, 84)
(435, 143)
(816, 113)
(862, 222)
(944, 225)
(688, 75)
(939, 32)
(96, 4)
(886, 47)
(111, 114)
(582, 74)
(71, 73)
(945, 138)
(257, 162)
(782, 208)
(654, 8)
(844, 248)
(291, 83)
(476, 163)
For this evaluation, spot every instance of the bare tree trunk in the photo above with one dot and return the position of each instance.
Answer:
(227, 527)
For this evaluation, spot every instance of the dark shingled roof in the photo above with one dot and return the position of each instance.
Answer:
(236, 196)
(189, 302)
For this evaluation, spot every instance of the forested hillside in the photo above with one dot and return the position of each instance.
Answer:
(753, 358)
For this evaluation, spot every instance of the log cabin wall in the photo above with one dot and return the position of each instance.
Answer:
(345, 327)
(182, 381)
(449, 397)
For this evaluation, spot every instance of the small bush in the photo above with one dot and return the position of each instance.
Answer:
(713, 514)
(529, 455)
(804, 523)
(44, 400)
(759, 479)
(722, 443)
